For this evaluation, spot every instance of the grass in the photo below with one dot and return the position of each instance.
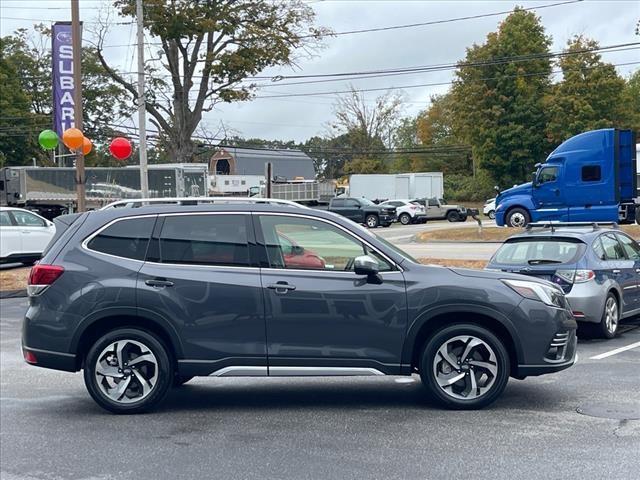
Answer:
(492, 234)
(14, 279)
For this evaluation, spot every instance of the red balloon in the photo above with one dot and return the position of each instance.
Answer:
(120, 148)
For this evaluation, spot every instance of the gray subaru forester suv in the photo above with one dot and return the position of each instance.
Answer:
(142, 299)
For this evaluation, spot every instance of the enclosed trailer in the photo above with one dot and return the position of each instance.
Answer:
(379, 187)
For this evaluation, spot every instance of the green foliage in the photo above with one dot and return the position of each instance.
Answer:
(459, 187)
(365, 165)
(590, 96)
(497, 107)
(631, 102)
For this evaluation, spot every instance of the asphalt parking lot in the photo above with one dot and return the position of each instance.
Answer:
(345, 428)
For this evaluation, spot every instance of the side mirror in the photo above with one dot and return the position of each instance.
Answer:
(496, 188)
(366, 265)
(534, 180)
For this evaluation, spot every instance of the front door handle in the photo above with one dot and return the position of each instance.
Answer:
(281, 287)
(615, 271)
(637, 270)
(159, 282)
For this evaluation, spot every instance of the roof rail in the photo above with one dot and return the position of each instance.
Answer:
(143, 202)
(554, 225)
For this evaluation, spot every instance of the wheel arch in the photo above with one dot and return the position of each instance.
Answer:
(99, 323)
(429, 323)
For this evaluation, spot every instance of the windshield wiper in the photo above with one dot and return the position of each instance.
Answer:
(539, 261)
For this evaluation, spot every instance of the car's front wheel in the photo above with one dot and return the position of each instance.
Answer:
(371, 221)
(453, 216)
(492, 214)
(518, 218)
(405, 219)
(464, 366)
(128, 371)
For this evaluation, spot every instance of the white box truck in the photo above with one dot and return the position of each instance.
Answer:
(380, 187)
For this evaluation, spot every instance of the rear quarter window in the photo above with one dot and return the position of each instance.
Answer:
(125, 238)
(539, 251)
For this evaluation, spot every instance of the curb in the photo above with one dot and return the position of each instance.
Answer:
(13, 293)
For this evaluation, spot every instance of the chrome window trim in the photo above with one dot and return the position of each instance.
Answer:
(346, 230)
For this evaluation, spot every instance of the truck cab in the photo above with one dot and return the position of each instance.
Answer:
(588, 178)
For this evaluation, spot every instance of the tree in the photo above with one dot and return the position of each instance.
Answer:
(210, 49)
(631, 102)
(590, 95)
(498, 98)
(18, 126)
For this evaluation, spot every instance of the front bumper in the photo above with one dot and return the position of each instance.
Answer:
(588, 299)
(387, 218)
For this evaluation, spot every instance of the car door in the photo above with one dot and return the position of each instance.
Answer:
(548, 196)
(620, 269)
(353, 210)
(325, 316)
(35, 231)
(433, 208)
(632, 252)
(199, 274)
(10, 237)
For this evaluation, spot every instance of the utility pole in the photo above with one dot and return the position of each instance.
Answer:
(144, 176)
(76, 41)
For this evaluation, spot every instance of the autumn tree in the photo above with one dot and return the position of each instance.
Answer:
(631, 102)
(210, 50)
(498, 97)
(589, 95)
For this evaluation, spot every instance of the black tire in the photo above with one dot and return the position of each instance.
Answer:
(423, 220)
(463, 218)
(606, 329)
(163, 364)
(492, 214)
(431, 362)
(371, 221)
(404, 218)
(179, 380)
(453, 216)
(517, 218)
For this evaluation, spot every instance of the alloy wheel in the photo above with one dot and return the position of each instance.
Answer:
(611, 315)
(126, 371)
(517, 220)
(465, 367)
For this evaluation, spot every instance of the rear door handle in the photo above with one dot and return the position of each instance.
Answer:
(281, 287)
(159, 282)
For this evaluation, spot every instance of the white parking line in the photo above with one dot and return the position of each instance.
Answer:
(615, 352)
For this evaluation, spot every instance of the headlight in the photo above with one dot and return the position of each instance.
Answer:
(552, 296)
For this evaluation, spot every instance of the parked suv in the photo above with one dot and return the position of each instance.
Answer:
(145, 298)
(364, 211)
(23, 235)
(598, 268)
(407, 212)
(439, 209)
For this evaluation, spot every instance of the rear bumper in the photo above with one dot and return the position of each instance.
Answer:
(587, 298)
(54, 360)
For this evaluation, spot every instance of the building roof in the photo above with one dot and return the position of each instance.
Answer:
(286, 163)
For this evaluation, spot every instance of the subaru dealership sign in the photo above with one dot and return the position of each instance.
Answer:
(63, 86)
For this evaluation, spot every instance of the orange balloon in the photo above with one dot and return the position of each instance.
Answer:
(86, 146)
(73, 138)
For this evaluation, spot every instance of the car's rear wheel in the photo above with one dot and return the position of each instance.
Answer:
(128, 371)
(371, 221)
(608, 325)
(492, 214)
(464, 366)
(405, 218)
(453, 216)
(518, 218)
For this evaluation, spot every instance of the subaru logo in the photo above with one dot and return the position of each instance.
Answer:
(64, 37)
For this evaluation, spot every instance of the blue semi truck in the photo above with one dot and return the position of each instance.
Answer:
(589, 178)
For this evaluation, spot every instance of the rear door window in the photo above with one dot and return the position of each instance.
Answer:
(612, 248)
(215, 239)
(631, 247)
(539, 252)
(5, 220)
(26, 219)
(125, 238)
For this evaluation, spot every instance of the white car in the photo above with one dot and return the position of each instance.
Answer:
(490, 208)
(23, 235)
(407, 211)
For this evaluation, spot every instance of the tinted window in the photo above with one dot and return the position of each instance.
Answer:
(433, 202)
(591, 173)
(337, 202)
(631, 247)
(598, 250)
(612, 248)
(125, 238)
(308, 244)
(205, 240)
(26, 219)
(548, 174)
(538, 252)
(5, 221)
(351, 203)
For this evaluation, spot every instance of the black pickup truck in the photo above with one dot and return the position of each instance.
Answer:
(361, 210)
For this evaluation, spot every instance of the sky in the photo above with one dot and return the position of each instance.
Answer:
(298, 118)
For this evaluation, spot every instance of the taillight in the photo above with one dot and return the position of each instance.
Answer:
(413, 207)
(576, 276)
(41, 276)
(29, 357)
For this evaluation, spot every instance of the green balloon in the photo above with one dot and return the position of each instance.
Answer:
(48, 139)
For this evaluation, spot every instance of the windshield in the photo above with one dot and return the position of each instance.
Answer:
(538, 251)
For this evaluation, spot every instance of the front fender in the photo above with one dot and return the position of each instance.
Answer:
(509, 202)
(427, 318)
